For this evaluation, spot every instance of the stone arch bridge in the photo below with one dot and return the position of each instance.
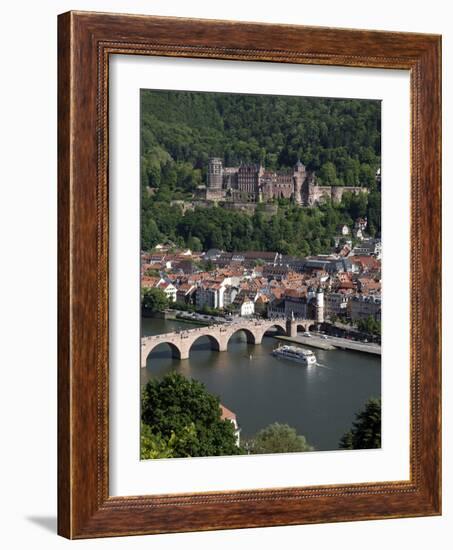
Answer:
(219, 335)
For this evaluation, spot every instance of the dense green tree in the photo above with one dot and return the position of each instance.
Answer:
(154, 299)
(328, 173)
(155, 446)
(150, 234)
(355, 205)
(369, 325)
(366, 429)
(374, 213)
(181, 411)
(278, 438)
(293, 230)
(367, 174)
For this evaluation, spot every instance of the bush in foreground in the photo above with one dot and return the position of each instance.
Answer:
(278, 438)
(184, 419)
(366, 430)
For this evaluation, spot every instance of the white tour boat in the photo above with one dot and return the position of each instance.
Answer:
(295, 353)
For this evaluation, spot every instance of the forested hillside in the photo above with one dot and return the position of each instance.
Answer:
(338, 138)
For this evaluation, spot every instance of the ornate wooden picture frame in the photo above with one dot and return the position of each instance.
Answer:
(85, 508)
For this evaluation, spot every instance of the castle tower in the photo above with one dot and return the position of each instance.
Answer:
(215, 173)
(299, 178)
(311, 194)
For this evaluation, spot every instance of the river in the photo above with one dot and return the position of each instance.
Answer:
(320, 402)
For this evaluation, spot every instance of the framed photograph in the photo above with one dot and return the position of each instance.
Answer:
(249, 275)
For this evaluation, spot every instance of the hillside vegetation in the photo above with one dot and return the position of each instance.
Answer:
(338, 138)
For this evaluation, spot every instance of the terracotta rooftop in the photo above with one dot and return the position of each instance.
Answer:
(227, 414)
(369, 262)
(149, 282)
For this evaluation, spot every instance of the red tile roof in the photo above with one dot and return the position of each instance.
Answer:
(149, 282)
(227, 414)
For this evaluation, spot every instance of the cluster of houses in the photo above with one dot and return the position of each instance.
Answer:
(269, 283)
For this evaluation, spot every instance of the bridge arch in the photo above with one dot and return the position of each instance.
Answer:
(251, 337)
(214, 342)
(148, 349)
(281, 328)
(305, 326)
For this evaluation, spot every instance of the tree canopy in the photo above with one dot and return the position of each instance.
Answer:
(369, 325)
(278, 438)
(153, 445)
(292, 230)
(184, 419)
(366, 429)
(154, 299)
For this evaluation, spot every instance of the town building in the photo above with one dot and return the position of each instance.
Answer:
(226, 414)
(210, 294)
(344, 230)
(368, 247)
(335, 304)
(299, 304)
(296, 304)
(361, 223)
(185, 293)
(362, 307)
(169, 290)
(368, 285)
(365, 264)
(247, 308)
(243, 305)
(261, 304)
(330, 264)
(229, 295)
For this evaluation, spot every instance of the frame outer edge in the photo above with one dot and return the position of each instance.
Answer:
(64, 526)
(432, 268)
(81, 510)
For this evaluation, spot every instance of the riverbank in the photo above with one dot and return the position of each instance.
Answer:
(310, 342)
(333, 343)
(173, 315)
(190, 321)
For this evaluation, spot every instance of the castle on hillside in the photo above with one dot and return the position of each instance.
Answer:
(252, 183)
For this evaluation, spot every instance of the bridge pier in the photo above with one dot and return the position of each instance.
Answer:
(184, 349)
(258, 338)
(223, 344)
